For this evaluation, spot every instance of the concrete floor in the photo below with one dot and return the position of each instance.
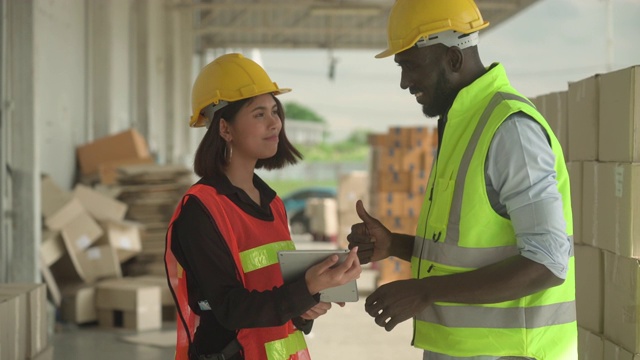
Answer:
(343, 334)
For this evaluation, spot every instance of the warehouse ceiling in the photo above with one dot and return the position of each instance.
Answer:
(319, 24)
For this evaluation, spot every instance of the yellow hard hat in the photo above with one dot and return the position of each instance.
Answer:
(411, 20)
(228, 78)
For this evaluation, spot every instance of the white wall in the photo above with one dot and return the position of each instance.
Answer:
(59, 84)
(110, 54)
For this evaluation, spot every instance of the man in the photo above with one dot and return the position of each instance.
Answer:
(492, 257)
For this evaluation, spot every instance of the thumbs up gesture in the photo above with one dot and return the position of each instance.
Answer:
(371, 237)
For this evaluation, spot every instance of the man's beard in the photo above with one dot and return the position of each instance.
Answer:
(443, 97)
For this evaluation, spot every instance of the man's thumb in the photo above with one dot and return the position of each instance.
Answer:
(362, 213)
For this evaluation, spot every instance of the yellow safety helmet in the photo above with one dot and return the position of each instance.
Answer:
(411, 20)
(228, 78)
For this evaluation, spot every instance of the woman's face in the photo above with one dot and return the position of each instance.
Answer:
(254, 133)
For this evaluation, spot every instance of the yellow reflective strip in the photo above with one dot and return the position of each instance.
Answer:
(265, 255)
(180, 270)
(554, 341)
(282, 349)
(494, 317)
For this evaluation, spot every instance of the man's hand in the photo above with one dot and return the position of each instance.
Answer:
(396, 302)
(371, 237)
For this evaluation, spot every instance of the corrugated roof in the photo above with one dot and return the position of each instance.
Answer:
(330, 24)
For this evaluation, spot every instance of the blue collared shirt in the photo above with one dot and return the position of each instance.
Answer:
(521, 184)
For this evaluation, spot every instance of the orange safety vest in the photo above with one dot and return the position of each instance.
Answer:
(254, 244)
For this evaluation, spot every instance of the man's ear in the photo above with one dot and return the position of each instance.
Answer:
(455, 59)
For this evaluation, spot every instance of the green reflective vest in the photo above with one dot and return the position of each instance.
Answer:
(459, 231)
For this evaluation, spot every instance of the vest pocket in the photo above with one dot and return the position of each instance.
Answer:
(440, 207)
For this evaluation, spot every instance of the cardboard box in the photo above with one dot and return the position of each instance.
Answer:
(556, 113)
(14, 329)
(619, 135)
(390, 159)
(393, 269)
(159, 281)
(618, 204)
(78, 304)
(621, 299)
(590, 190)
(352, 187)
(168, 305)
(377, 140)
(129, 305)
(101, 207)
(590, 345)
(100, 262)
(52, 197)
(420, 137)
(390, 204)
(414, 159)
(64, 215)
(399, 137)
(123, 236)
(36, 319)
(80, 233)
(575, 178)
(65, 271)
(124, 145)
(419, 181)
(52, 247)
(52, 285)
(413, 205)
(108, 172)
(583, 114)
(395, 181)
(323, 216)
(403, 225)
(589, 287)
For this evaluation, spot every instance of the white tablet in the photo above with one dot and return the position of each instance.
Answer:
(294, 264)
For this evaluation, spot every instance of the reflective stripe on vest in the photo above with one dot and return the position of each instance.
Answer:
(467, 316)
(445, 253)
(265, 255)
(456, 204)
(282, 349)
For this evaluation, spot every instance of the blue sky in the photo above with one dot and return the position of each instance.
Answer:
(543, 48)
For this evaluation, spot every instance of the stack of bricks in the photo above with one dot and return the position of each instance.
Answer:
(400, 164)
(598, 123)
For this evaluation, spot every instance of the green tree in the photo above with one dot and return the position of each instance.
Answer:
(297, 111)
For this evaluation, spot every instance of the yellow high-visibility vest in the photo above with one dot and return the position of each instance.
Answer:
(459, 231)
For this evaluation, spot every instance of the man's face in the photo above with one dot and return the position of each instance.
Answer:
(425, 74)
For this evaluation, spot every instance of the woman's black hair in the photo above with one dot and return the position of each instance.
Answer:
(210, 157)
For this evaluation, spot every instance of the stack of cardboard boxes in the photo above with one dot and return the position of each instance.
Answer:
(323, 218)
(352, 187)
(151, 193)
(400, 165)
(598, 122)
(87, 243)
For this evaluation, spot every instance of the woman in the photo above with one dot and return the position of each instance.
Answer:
(222, 242)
